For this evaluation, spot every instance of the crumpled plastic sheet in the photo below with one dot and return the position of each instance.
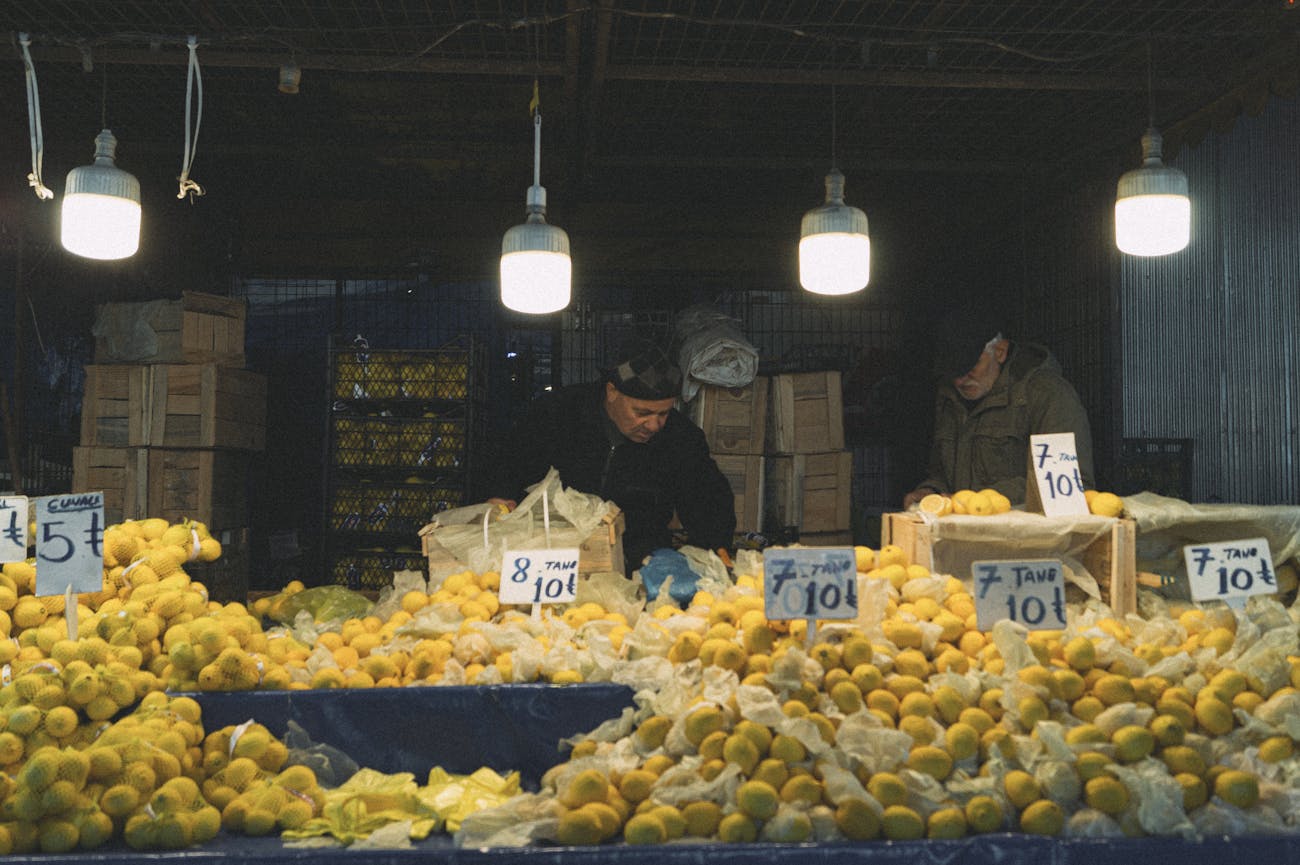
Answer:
(1165, 525)
(712, 350)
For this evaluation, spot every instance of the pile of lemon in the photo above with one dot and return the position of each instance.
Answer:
(908, 722)
(987, 502)
(914, 724)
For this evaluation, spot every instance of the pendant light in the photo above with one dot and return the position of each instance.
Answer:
(536, 270)
(1153, 214)
(101, 202)
(834, 247)
(101, 206)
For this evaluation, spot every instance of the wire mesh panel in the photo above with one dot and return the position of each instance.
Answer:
(405, 431)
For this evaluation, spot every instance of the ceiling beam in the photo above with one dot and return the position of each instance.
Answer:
(632, 71)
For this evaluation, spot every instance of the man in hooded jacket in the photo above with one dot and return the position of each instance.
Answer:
(993, 395)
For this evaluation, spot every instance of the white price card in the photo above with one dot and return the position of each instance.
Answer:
(1230, 569)
(1056, 471)
(539, 576)
(810, 583)
(69, 543)
(13, 528)
(1030, 592)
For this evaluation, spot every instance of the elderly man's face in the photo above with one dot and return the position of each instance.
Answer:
(638, 419)
(975, 384)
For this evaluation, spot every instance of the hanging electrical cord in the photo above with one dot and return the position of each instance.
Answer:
(193, 83)
(43, 192)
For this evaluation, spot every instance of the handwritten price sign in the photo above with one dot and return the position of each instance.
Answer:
(13, 528)
(1230, 569)
(1056, 470)
(810, 583)
(69, 543)
(1030, 592)
(539, 576)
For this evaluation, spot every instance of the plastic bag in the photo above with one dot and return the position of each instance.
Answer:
(710, 349)
(331, 765)
(665, 563)
(324, 603)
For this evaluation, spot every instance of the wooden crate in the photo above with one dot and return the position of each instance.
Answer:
(121, 473)
(807, 413)
(810, 492)
(206, 485)
(197, 328)
(173, 405)
(734, 419)
(745, 474)
(602, 551)
(1110, 559)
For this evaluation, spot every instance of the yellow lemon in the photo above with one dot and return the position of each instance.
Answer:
(900, 823)
(949, 823)
(1237, 788)
(983, 814)
(1043, 817)
(1108, 795)
(1021, 788)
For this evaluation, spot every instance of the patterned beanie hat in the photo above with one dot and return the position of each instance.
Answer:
(642, 370)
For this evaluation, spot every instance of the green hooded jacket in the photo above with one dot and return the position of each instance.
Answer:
(987, 444)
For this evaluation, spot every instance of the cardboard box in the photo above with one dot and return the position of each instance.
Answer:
(734, 419)
(198, 328)
(745, 474)
(810, 492)
(1110, 559)
(807, 413)
(173, 405)
(206, 485)
(602, 551)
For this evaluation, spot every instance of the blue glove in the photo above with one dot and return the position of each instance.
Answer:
(665, 563)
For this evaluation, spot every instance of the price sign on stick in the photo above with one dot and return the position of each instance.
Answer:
(13, 528)
(539, 576)
(1230, 570)
(1056, 486)
(811, 583)
(1031, 592)
(69, 543)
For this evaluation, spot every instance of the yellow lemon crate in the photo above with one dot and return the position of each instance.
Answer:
(454, 372)
(1103, 548)
(378, 508)
(373, 569)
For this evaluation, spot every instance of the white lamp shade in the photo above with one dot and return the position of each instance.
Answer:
(1153, 213)
(1153, 224)
(834, 262)
(105, 227)
(101, 206)
(535, 281)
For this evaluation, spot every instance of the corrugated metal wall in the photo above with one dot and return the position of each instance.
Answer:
(1211, 335)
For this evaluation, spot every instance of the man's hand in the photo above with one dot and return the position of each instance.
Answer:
(508, 504)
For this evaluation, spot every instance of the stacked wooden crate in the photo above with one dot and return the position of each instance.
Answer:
(734, 422)
(780, 441)
(808, 470)
(170, 420)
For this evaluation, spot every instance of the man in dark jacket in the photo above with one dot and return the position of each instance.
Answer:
(993, 395)
(622, 439)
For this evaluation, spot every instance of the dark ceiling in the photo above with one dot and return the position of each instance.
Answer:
(678, 134)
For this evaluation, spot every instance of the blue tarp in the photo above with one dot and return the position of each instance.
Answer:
(518, 727)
